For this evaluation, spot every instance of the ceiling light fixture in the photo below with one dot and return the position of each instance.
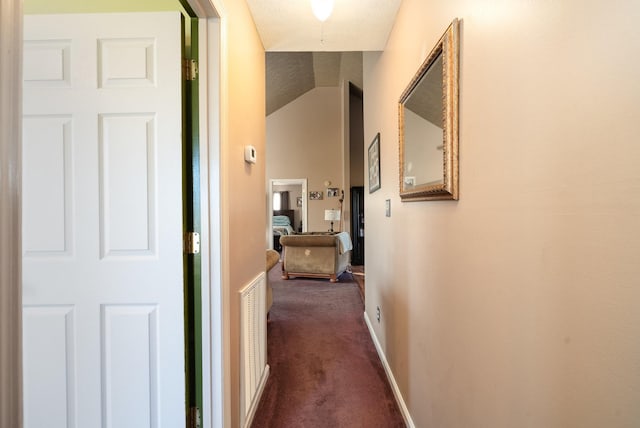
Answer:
(322, 9)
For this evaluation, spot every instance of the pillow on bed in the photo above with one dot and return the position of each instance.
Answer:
(281, 220)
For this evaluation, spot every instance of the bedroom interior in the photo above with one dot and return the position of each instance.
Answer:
(288, 209)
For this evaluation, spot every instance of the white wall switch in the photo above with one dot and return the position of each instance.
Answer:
(387, 207)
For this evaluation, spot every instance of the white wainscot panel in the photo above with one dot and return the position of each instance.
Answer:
(47, 63)
(49, 367)
(47, 186)
(127, 185)
(130, 366)
(127, 62)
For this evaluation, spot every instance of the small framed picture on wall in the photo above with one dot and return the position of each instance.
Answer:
(374, 164)
(315, 196)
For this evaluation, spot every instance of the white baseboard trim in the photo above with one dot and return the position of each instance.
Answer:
(392, 380)
(256, 400)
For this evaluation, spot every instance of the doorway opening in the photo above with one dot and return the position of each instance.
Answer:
(288, 198)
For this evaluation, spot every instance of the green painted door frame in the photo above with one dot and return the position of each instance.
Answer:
(192, 221)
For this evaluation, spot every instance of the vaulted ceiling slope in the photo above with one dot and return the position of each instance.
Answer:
(303, 53)
(291, 74)
(354, 25)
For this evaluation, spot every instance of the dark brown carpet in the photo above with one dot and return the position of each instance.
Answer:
(325, 371)
(357, 272)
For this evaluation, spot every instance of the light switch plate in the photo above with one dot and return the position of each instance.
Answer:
(387, 207)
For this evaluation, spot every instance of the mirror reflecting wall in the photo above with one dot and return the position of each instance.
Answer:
(423, 138)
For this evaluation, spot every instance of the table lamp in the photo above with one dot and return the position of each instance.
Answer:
(332, 215)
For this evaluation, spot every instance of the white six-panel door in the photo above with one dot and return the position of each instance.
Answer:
(102, 222)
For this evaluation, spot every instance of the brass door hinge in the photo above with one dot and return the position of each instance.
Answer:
(193, 418)
(192, 243)
(190, 69)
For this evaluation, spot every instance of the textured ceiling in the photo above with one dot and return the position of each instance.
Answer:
(426, 99)
(354, 25)
(291, 74)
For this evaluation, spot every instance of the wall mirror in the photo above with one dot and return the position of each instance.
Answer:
(428, 125)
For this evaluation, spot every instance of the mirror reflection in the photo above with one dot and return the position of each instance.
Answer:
(423, 138)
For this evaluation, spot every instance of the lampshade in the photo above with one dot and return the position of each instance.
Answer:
(332, 215)
(322, 9)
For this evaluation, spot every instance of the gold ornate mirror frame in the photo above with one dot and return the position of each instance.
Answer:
(445, 52)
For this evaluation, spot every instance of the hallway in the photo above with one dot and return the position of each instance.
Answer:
(325, 371)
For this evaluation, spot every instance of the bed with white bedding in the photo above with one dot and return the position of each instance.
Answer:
(282, 223)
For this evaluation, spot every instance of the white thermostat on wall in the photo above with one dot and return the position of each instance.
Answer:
(250, 154)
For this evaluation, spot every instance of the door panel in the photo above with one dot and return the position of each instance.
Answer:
(102, 221)
(47, 149)
(49, 366)
(127, 184)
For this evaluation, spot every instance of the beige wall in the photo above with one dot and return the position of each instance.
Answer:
(304, 140)
(421, 141)
(516, 306)
(243, 184)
